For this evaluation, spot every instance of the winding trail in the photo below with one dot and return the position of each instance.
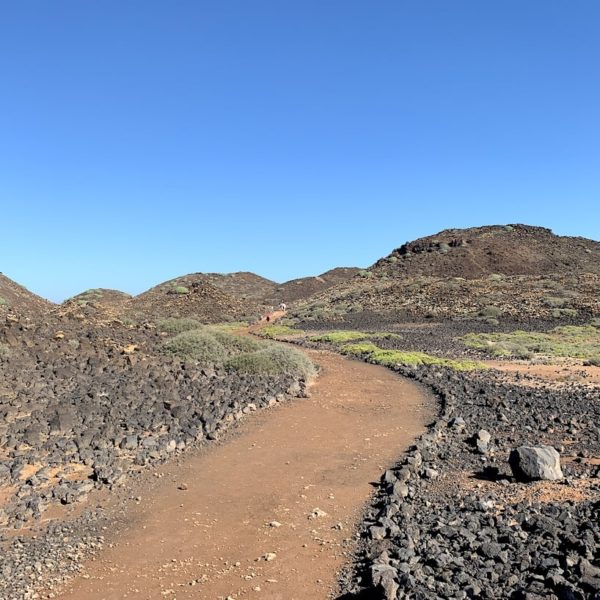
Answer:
(254, 495)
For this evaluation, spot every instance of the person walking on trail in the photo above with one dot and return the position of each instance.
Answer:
(283, 307)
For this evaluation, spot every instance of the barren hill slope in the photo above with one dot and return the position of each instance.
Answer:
(189, 296)
(98, 304)
(242, 285)
(17, 299)
(478, 252)
(298, 289)
(486, 273)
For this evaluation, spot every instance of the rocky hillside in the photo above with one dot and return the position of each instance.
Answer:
(190, 296)
(299, 289)
(14, 298)
(242, 285)
(488, 273)
(501, 249)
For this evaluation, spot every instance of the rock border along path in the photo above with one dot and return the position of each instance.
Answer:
(272, 511)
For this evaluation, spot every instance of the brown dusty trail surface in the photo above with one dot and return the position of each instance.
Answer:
(288, 485)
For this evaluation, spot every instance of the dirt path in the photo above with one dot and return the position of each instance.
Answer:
(270, 513)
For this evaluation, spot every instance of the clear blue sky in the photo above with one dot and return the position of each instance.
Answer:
(141, 140)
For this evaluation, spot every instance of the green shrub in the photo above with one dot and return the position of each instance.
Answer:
(554, 301)
(365, 274)
(557, 313)
(595, 323)
(508, 228)
(196, 345)
(3, 301)
(174, 325)
(495, 277)
(234, 344)
(592, 362)
(181, 289)
(273, 360)
(490, 311)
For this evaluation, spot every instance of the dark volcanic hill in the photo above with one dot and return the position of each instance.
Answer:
(189, 296)
(298, 289)
(518, 272)
(15, 298)
(99, 304)
(481, 251)
(242, 285)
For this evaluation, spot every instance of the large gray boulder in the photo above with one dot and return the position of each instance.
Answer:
(531, 463)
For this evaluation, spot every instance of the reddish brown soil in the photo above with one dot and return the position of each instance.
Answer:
(209, 539)
(558, 373)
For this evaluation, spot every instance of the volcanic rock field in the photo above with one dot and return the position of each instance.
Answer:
(106, 387)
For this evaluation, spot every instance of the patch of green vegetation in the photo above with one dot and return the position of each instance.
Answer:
(339, 337)
(196, 345)
(390, 358)
(595, 323)
(235, 344)
(230, 326)
(569, 341)
(490, 312)
(342, 336)
(557, 313)
(3, 301)
(175, 325)
(365, 274)
(275, 331)
(495, 277)
(212, 347)
(554, 301)
(273, 360)
(181, 289)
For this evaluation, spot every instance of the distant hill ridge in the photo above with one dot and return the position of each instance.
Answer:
(482, 251)
(18, 299)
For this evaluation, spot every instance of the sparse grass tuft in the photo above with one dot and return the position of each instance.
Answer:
(339, 337)
(4, 351)
(390, 358)
(181, 289)
(3, 301)
(569, 341)
(342, 336)
(174, 325)
(231, 326)
(275, 331)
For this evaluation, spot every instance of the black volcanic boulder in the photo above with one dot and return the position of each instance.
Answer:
(531, 463)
